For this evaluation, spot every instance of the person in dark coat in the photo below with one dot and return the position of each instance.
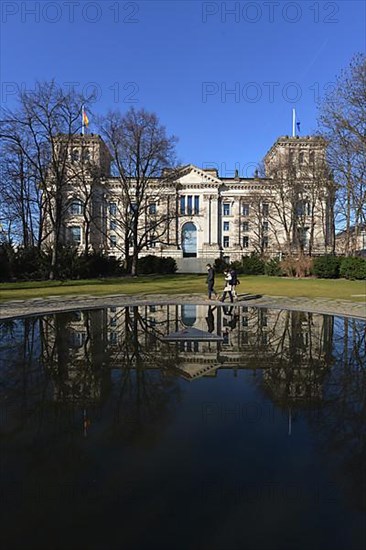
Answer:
(210, 319)
(211, 281)
(234, 282)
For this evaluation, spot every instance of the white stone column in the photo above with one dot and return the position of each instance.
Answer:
(214, 219)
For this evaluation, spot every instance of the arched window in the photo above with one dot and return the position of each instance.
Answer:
(189, 314)
(75, 235)
(189, 240)
(76, 207)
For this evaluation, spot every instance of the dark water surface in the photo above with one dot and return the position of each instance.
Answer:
(183, 427)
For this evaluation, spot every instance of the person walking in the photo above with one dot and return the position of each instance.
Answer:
(234, 282)
(228, 287)
(211, 281)
(210, 319)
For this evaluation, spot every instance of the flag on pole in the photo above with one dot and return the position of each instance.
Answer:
(84, 120)
(298, 126)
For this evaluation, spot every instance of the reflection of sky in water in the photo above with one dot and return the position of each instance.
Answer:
(255, 418)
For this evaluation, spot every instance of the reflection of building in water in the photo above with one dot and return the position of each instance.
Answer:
(291, 347)
(297, 375)
(72, 351)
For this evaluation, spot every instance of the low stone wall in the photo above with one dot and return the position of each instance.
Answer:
(44, 306)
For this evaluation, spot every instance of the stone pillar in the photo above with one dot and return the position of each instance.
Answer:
(215, 219)
(210, 247)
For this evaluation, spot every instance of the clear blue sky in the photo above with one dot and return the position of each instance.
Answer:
(180, 59)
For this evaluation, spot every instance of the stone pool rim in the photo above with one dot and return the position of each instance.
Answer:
(15, 309)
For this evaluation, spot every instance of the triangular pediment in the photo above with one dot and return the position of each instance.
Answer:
(193, 175)
(194, 370)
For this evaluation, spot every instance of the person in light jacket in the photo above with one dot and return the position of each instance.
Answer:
(228, 287)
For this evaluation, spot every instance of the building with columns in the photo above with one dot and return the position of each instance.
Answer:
(194, 215)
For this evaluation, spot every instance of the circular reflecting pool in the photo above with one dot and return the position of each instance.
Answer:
(174, 427)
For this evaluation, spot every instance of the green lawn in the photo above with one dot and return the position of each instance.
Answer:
(186, 284)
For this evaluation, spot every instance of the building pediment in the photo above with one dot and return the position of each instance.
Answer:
(193, 175)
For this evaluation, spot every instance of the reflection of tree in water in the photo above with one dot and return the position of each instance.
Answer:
(325, 377)
(21, 377)
(142, 390)
(297, 354)
(147, 391)
(74, 354)
(58, 368)
(55, 368)
(341, 420)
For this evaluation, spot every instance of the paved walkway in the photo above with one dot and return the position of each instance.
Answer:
(38, 306)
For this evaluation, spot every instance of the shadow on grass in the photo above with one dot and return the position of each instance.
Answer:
(246, 297)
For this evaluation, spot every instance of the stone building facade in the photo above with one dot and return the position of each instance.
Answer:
(195, 216)
(354, 242)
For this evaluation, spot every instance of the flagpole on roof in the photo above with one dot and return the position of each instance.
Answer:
(82, 121)
(293, 123)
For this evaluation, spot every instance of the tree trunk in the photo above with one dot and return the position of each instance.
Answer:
(53, 262)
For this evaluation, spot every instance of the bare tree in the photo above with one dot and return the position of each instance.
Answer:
(301, 198)
(141, 150)
(85, 195)
(342, 119)
(20, 197)
(33, 131)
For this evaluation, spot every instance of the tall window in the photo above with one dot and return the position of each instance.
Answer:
(312, 158)
(77, 339)
(113, 338)
(85, 155)
(263, 317)
(76, 207)
(133, 207)
(265, 227)
(303, 233)
(183, 205)
(152, 208)
(226, 242)
(196, 204)
(75, 155)
(303, 208)
(113, 225)
(226, 226)
(113, 241)
(189, 205)
(245, 209)
(301, 157)
(245, 241)
(75, 234)
(265, 209)
(226, 209)
(113, 208)
(265, 242)
(245, 227)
